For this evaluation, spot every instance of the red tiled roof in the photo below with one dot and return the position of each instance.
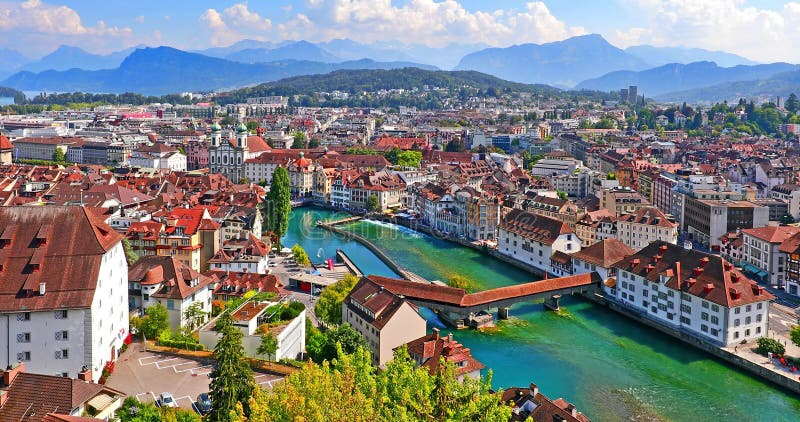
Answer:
(371, 295)
(5, 143)
(604, 253)
(772, 234)
(67, 243)
(532, 226)
(650, 216)
(432, 348)
(698, 271)
(175, 277)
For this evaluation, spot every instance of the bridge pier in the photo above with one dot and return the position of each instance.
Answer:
(552, 302)
(502, 313)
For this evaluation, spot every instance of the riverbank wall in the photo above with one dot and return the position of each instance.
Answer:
(783, 381)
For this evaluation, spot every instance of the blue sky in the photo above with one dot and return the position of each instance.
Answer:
(745, 27)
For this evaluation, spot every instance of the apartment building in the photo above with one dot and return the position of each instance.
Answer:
(762, 257)
(647, 224)
(534, 239)
(706, 220)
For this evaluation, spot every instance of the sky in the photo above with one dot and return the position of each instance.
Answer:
(761, 30)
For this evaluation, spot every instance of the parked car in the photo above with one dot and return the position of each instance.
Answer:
(204, 404)
(167, 400)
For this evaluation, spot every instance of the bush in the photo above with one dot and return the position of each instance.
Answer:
(181, 344)
(767, 345)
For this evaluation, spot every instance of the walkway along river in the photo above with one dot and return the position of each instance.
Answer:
(611, 367)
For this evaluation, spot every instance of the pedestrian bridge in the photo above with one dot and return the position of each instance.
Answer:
(455, 305)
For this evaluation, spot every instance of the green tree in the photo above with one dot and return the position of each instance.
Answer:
(324, 345)
(393, 155)
(792, 103)
(561, 194)
(133, 410)
(795, 335)
(459, 282)
(350, 388)
(313, 143)
(329, 305)
(766, 345)
(59, 157)
(300, 255)
(252, 126)
(195, 315)
(155, 321)
(300, 141)
(409, 159)
(130, 255)
(279, 205)
(268, 345)
(232, 378)
(373, 203)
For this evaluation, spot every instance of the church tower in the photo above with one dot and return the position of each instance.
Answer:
(241, 135)
(216, 135)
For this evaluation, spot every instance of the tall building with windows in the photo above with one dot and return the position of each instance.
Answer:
(226, 156)
(63, 291)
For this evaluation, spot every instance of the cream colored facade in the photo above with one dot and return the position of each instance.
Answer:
(405, 325)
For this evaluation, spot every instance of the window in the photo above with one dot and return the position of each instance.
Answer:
(24, 356)
(714, 332)
(714, 320)
(715, 308)
(685, 320)
(736, 322)
(62, 335)
(686, 308)
(748, 308)
(686, 297)
(24, 338)
(747, 320)
(758, 330)
(758, 318)
(62, 313)
(62, 354)
(704, 316)
(705, 304)
(747, 332)
(758, 305)
(671, 293)
(704, 328)
(170, 304)
(737, 311)
(24, 316)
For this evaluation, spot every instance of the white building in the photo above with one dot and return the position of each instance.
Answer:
(697, 293)
(761, 249)
(645, 225)
(63, 291)
(386, 320)
(533, 239)
(165, 280)
(246, 254)
(158, 156)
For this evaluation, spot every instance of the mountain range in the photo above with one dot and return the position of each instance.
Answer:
(164, 70)
(583, 62)
(780, 85)
(679, 77)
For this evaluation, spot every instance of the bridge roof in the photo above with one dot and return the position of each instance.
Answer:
(459, 297)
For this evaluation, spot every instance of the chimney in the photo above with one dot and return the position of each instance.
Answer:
(727, 266)
(707, 288)
(690, 282)
(534, 390)
(656, 258)
(663, 248)
(450, 337)
(85, 375)
(635, 262)
(703, 261)
(572, 409)
(11, 373)
(697, 271)
(649, 268)
(678, 273)
(735, 277)
(3, 397)
(436, 333)
(42, 288)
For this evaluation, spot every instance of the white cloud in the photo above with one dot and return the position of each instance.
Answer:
(221, 35)
(235, 23)
(33, 16)
(729, 25)
(241, 16)
(140, 19)
(431, 22)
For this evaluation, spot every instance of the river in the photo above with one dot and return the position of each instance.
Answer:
(609, 366)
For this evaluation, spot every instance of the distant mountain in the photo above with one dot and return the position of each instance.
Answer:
(299, 50)
(781, 85)
(563, 63)
(164, 70)
(360, 80)
(11, 61)
(222, 52)
(66, 57)
(347, 49)
(657, 56)
(679, 77)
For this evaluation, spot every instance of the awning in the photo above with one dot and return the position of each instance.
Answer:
(611, 283)
(100, 401)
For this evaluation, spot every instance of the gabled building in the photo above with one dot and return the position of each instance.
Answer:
(244, 254)
(645, 225)
(534, 239)
(28, 397)
(762, 256)
(189, 235)
(700, 294)
(63, 290)
(227, 156)
(230, 285)
(165, 280)
(530, 404)
(386, 320)
(429, 351)
(596, 226)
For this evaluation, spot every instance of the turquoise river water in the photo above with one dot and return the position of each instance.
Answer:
(609, 366)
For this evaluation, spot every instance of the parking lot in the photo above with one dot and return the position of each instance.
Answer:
(145, 375)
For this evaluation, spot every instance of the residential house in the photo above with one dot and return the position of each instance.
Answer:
(63, 290)
(534, 239)
(596, 226)
(429, 351)
(706, 220)
(386, 320)
(762, 257)
(530, 404)
(645, 225)
(700, 294)
(165, 280)
(622, 200)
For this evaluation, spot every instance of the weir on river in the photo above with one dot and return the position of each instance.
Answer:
(609, 366)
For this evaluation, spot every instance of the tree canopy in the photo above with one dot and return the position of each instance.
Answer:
(329, 304)
(349, 388)
(279, 205)
(323, 346)
(232, 378)
(155, 321)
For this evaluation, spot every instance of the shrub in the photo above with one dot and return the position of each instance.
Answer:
(767, 345)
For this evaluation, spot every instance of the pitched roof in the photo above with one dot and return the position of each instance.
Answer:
(32, 396)
(535, 227)
(5, 143)
(432, 348)
(706, 276)
(176, 278)
(772, 234)
(650, 216)
(604, 253)
(529, 402)
(59, 246)
(380, 302)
